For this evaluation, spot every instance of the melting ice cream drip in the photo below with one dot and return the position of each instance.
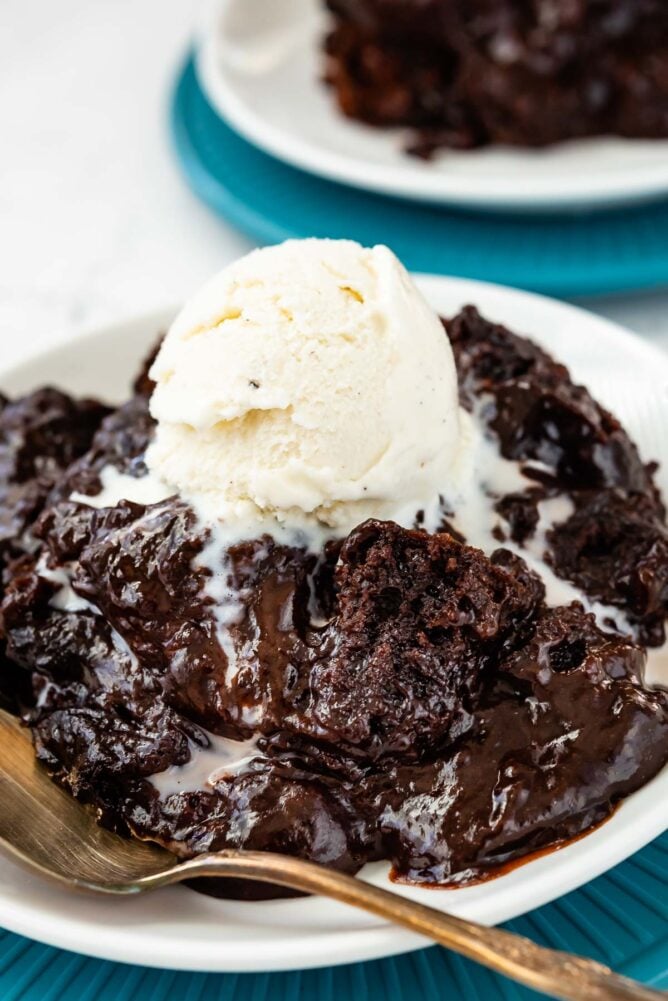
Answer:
(117, 487)
(472, 504)
(227, 602)
(65, 598)
(207, 765)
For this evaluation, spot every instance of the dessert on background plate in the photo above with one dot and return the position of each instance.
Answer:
(340, 580)
(469, 74)
(261, 69)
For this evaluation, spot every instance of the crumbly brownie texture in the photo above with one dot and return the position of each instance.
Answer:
(615, 544)
(40, 436)
(467, 73)
(412, 699)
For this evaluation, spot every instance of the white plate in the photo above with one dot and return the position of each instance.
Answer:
(261, 64)
(177, 928)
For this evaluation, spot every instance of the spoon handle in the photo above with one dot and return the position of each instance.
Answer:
(560, 974)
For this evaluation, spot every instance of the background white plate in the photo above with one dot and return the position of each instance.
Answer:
(177, 928)
(261, 65)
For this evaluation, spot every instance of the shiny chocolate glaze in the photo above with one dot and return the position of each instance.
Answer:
(409, 698)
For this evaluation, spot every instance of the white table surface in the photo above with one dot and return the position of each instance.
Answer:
(95, 221)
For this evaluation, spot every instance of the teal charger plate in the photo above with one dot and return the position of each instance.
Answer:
(620, 919)
(563, 255)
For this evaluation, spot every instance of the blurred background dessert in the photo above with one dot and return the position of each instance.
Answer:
(466, 73)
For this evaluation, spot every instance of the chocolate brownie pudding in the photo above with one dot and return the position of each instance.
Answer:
(466, 74)
(446, 696)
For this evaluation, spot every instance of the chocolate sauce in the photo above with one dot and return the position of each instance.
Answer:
(403, 695)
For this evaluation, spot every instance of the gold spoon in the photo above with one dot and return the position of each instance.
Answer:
(48, 832)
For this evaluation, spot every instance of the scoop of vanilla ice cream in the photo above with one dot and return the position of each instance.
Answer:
(309, 378)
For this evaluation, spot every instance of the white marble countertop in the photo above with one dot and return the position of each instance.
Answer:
(95, 221)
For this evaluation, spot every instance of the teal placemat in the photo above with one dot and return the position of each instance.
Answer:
(563, 255)
(620, 919)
